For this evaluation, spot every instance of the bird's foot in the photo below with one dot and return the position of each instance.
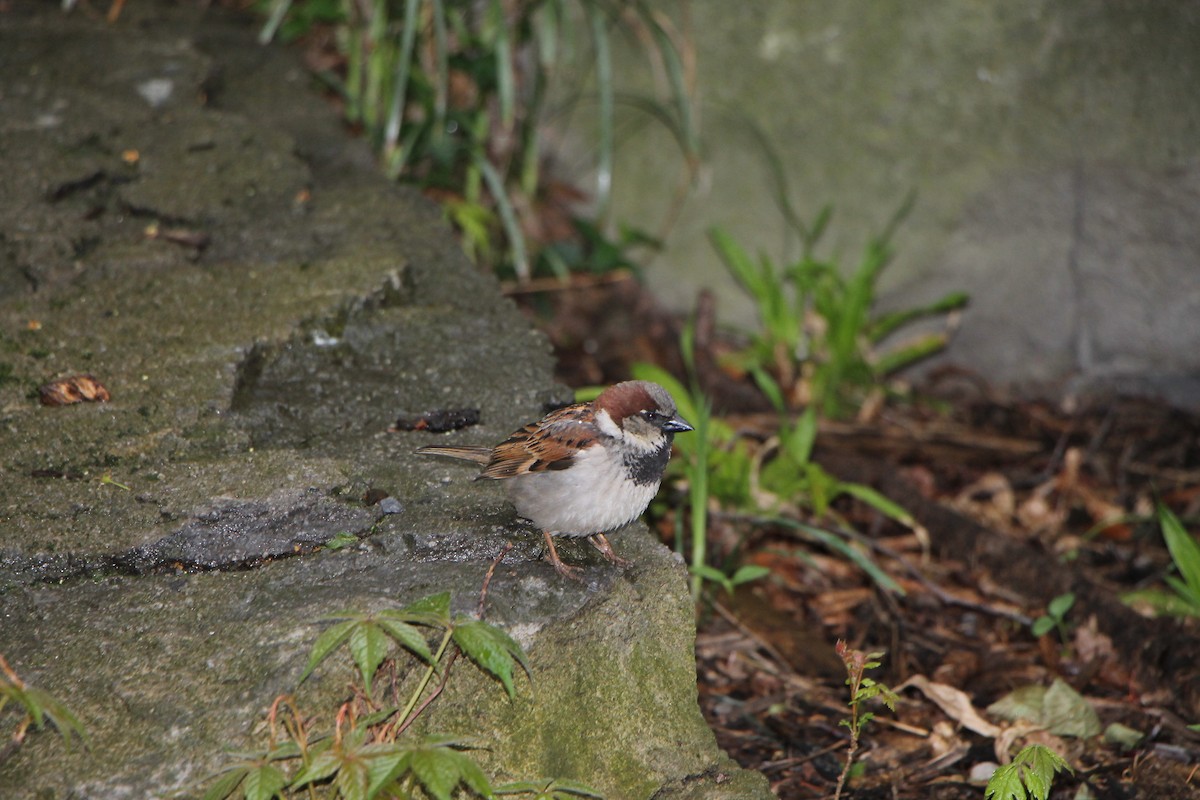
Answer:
(567, 571)
(600, 542)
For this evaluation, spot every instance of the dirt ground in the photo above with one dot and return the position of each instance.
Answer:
(1017, 502)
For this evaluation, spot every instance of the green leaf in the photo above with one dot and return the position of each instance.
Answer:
(437, 771)
(1184, 550)
(879, 502)
(749, 572)
(833, 542)
(712, 574)
(544, 787)
(472, 775)
(1060, 605)
(1041, 626)
(264, 782)
(385, 764)
(369, 645)
(1005, 784)
(322, 765)
(407, 636)
(492, 649)
(352, 779)
(326, 643)
(225, 785)
(431, 610)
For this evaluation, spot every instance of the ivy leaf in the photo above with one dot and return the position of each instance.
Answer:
(492, 649)
(326, 643)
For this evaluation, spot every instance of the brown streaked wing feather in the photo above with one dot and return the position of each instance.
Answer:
(467, 452)
(548, 444)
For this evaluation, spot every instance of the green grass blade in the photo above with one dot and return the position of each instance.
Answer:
(505, 81)
(508, 215)
(408, 38)
(1185, 552)
(680, 96)
(604, 87)
(882, 326)
(441, 53)
(837, 544)
(279, 9)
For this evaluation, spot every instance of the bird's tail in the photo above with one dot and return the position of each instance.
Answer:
(466, 452)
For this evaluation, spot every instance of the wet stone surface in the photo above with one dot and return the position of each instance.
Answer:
(183, 221)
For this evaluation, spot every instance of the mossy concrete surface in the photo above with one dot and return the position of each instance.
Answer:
(185, 221)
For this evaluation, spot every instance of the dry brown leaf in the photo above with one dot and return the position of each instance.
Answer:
(954, 703)
(73, 389)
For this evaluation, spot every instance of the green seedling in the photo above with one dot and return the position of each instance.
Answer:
(1031, 774)
(1055, 617)
(862, 689)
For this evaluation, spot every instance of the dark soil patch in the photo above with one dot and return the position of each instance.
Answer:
(1021, 501)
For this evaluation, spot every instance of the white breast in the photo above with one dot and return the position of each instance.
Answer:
(593, 495)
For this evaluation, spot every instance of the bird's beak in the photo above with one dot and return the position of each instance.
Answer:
(677, 424)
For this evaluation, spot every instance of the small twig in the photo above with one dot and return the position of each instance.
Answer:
(487, 579)
(539, 285)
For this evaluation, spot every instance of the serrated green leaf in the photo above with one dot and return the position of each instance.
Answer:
(436, 770)
(385, 765)
(322, 765)
(408, 637)
(326, 643)
(434, 607)
(352, 779)
(1043, 759)
(369, 645)
(1036, 783)
(263, 782)
(1005, 784)
(225, 785)
(472, 775)
(492, 649)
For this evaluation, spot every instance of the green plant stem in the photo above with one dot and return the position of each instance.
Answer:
(407, 716)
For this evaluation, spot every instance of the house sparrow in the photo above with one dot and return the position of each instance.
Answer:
(585, 469)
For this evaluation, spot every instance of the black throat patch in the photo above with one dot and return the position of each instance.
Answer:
(647, 468)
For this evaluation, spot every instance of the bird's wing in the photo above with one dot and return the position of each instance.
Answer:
(550, 443)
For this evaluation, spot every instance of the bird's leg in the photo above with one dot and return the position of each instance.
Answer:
(557, 563)
(600, 542)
